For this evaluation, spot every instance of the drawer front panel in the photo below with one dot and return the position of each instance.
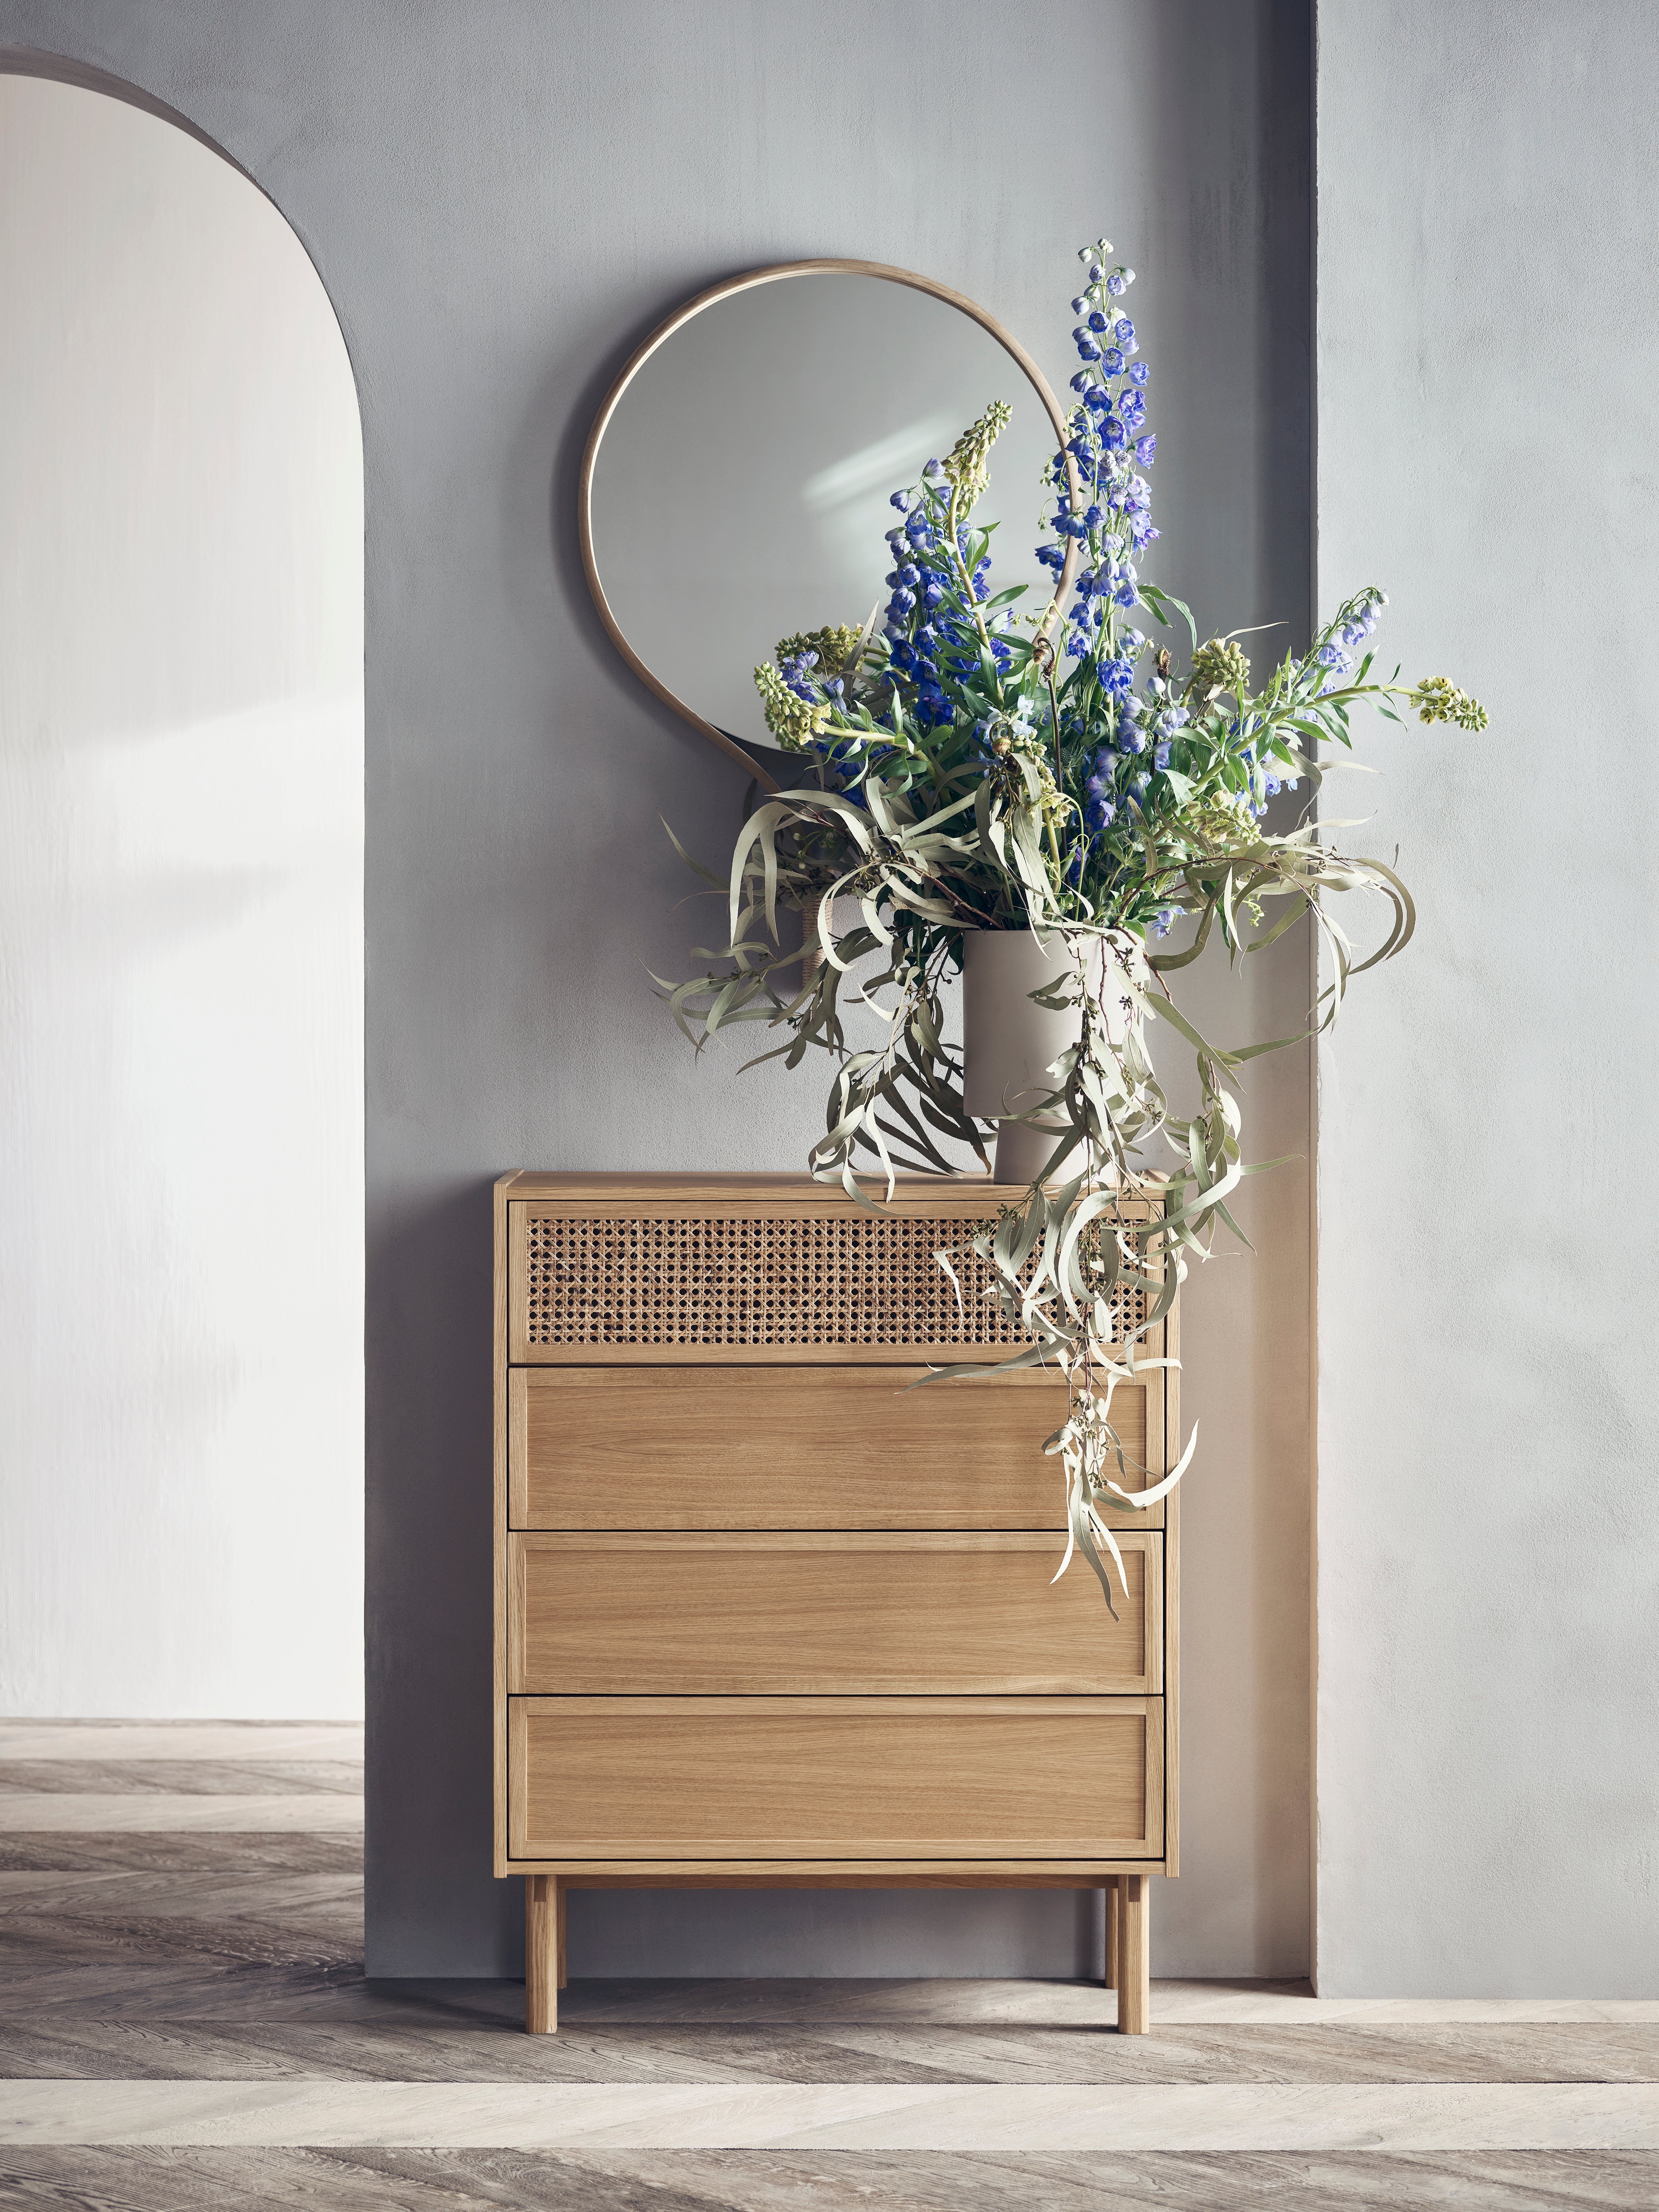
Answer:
(708, 1778)
(683, 1283)
(800, 1448)
(831, 1614)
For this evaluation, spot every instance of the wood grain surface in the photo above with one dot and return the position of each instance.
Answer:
(966, 1197)
(839, 1615)
(814, 1447)
(836, 1778)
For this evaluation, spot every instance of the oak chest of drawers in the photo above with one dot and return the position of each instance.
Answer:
(765, 1615)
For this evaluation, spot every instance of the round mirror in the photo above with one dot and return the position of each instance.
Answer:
(735, 486)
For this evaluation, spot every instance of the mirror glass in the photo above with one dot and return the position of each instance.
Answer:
(740, 491)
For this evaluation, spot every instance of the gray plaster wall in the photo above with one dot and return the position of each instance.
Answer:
(499, 198)
(1488, 1555)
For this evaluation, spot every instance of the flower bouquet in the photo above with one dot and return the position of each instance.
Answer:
(967, 771)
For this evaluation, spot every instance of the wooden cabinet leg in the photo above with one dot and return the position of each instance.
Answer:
(563, 1973)
(541, 1953)
(1133, 1964)
(1110, 1896)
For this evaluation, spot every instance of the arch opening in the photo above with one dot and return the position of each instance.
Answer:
(182, 840)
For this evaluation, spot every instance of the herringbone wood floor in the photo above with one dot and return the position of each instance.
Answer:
(185, 2021)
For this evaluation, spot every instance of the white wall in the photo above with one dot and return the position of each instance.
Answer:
(1488, 1516)
(180, 934)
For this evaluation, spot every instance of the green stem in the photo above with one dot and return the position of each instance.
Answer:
(962, 570)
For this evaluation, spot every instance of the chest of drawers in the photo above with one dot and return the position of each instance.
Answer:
(766, 1616)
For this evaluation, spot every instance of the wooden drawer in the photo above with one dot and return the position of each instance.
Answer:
(680, 1280)
(835, 1778)
(799, 1448)
(836, 1614)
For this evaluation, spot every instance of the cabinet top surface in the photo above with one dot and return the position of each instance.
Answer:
(912, 1192)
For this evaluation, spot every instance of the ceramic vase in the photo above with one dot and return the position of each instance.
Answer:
(1009, 1043)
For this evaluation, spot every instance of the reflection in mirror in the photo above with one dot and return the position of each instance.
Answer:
(740, 490)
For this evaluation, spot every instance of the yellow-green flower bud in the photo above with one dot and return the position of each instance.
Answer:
(790, 719)
(834, 647)
(1439, 700)
(1221, 666)
(967, 464)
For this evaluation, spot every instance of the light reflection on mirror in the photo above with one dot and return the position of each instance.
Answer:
(740, 492)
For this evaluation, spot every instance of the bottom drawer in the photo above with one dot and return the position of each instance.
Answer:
(836, 1777)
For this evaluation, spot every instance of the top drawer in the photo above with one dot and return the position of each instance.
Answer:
(677, 1284)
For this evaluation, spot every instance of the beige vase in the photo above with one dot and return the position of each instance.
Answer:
(1009, 1043)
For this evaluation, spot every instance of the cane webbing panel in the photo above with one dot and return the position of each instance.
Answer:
(758, 1280)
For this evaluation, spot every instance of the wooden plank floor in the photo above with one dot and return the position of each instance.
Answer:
(184, 2021)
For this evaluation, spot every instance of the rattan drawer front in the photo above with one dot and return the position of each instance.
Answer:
(832, 1615)
(688, 1283)
(845, 1778)
(800, 1448)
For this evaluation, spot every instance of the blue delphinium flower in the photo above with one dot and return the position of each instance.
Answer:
(939, 630)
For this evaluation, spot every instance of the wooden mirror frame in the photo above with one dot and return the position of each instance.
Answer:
(724, 290)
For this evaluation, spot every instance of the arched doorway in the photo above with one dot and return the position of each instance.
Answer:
(180, 934)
